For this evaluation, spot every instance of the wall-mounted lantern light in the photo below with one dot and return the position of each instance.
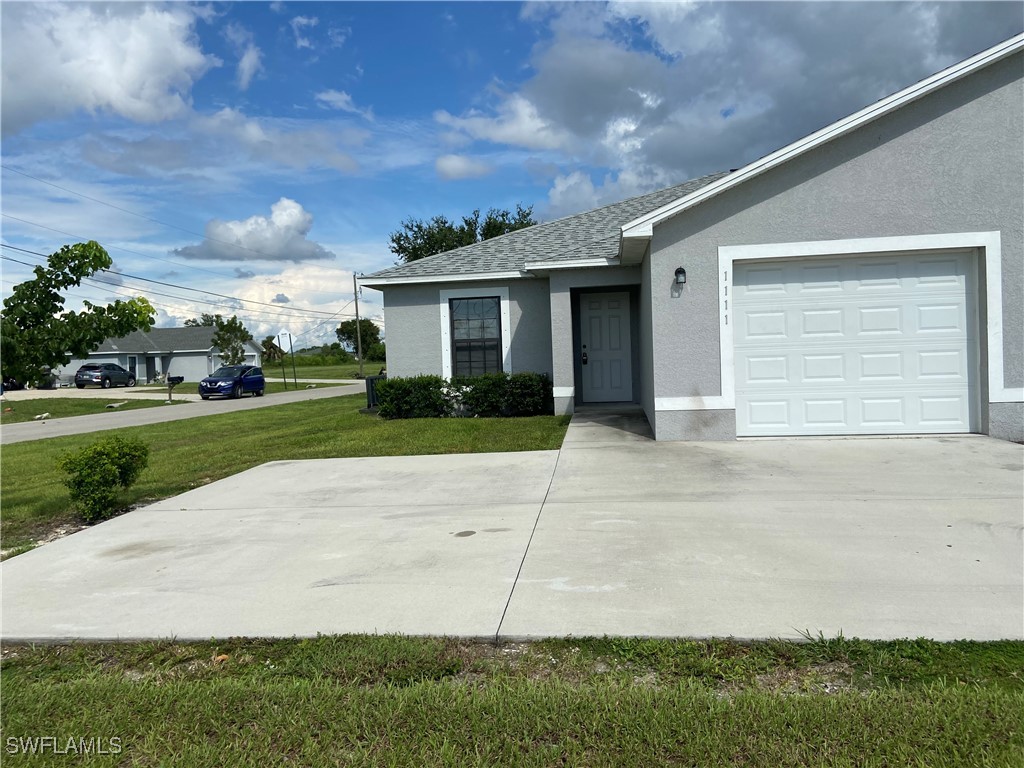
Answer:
(680, 276)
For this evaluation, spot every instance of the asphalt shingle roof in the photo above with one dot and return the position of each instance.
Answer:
(162, 340)
(591, 234)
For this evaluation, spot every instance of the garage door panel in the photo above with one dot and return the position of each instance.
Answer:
(865, 345)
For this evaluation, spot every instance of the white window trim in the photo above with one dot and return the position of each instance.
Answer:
(727, 256)
(478, 291)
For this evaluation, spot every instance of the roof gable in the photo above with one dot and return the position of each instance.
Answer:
(637, 233)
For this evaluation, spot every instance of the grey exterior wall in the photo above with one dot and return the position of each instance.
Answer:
(412, 321)
(949, 162)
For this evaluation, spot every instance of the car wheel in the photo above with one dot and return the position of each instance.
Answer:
(258, 393)
(80, 386)
(205, 397)
(131, 381)
(236, 392)
(105, 383)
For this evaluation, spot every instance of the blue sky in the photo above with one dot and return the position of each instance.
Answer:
(264, 151)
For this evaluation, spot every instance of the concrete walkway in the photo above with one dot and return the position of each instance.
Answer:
(194, 408)
(613, 534)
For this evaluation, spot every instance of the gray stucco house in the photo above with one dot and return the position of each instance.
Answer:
(187, 352)
(866, 279)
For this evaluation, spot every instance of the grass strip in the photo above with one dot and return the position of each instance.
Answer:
(16, 411)
(360, 700)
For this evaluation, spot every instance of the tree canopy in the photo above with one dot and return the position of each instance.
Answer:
(229, 338)
(346, 333)
(418, 239)
(38, 333)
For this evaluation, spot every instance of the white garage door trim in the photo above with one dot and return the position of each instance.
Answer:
(988, 242)
(879, 344)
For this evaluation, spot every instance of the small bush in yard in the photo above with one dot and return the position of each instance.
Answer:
(96, 473)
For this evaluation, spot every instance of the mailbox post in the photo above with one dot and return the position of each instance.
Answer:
(172, 382)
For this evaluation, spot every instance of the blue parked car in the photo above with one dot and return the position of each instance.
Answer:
(233, 381)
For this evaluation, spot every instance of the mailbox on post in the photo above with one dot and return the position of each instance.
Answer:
(172, 382)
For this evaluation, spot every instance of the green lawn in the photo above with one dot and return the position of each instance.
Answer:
(346, 371)
(193, 452)
(59, 407)
(386, 700)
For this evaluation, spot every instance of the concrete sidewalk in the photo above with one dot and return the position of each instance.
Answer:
(613, 534)
(80, 425)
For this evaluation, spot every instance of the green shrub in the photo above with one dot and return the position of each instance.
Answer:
(96, 472)
(376, 352)
(493, 394)
(529, 394)
(483, 395)
(415, 397)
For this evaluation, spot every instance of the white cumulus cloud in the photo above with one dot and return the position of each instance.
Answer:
(450, 167)
(280, 237)
(136, 61)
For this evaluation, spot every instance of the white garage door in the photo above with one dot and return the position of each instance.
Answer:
(855, 345)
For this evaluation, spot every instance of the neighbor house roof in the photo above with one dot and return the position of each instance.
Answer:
(189, 339)
(588, 236)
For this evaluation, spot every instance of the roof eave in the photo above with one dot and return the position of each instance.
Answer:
(379, 282)
(641, 229)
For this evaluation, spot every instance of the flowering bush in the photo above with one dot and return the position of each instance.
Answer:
(494, 394)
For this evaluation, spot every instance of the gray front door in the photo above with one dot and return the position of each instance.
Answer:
(606, 359)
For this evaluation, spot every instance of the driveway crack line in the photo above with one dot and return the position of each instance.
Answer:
(536, 522)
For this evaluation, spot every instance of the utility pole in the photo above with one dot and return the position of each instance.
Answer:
(359, 329)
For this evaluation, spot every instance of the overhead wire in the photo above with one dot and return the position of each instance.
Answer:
(150, 256)
(175, 285)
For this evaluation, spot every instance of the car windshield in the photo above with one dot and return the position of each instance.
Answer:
(229, 371)
(90, 367)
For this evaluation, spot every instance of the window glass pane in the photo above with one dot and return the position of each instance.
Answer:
(476, 335)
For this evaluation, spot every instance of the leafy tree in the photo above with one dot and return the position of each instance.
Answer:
(204, 320)
(271, 352)
(418, 239)
(346, 333)
(376, 352)
(38, 333)
(230, 339)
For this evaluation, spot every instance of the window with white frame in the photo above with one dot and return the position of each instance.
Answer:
(476, 335)
(476, 330)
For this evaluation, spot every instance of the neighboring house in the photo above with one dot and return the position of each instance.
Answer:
(866, 279)
(187, 352)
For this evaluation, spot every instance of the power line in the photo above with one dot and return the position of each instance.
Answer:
(150, 256)
(175, 285)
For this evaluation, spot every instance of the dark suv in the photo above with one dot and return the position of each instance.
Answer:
(105, 375)
(233, 381)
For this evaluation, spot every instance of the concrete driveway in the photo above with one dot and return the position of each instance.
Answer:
(613, 534)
